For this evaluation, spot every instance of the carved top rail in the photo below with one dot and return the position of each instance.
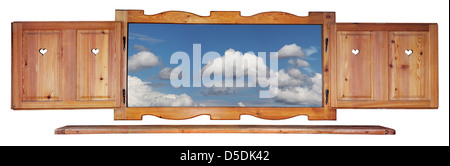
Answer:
(227, 17)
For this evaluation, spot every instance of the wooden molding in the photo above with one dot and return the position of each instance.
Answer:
(382, 26)
(223, 17)
(228, 113)
(268, 129)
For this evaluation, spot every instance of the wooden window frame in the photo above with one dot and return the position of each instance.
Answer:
(325, 19)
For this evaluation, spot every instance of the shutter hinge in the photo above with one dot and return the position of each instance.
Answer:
(326, 44)
(326, 96)
(124, 42)
(123, 95)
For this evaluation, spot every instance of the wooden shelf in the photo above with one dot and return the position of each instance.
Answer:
(283, 129)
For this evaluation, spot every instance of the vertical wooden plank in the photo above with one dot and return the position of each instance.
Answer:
(408, 76)
(354, 66)
(41, 74)
(69, 60)
(16, 65)
(434, 67)
(380, 45)
(92, 64)
(116, 88)
(333, 67)
(328, 32)
(328, 19)
(122, 16)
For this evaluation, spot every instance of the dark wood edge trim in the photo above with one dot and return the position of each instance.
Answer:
(383, 26)
(64, 25)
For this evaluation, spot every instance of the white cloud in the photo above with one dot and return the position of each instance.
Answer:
(140, 47)
(240, 104)
(311, 50)
(248, 63)
(142, 60)
(302, 63)
(140, 94)
(291, 50)
(294, 86)
(292, 78)
(299, 95)
(145, 38)
(298, 62)
(299, 89)
(165, 73)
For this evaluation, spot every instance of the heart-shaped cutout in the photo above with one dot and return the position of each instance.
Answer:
(355, 51)
(408, 52)
(95, 51)
(43, 51)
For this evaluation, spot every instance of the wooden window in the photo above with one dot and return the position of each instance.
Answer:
(326, 20)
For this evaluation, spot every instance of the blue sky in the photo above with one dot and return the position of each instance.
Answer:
(157, 42)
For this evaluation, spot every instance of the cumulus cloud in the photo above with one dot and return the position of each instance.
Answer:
(298, 88)
(291, 50)
(293, 77)
(298, 62)
(293, 86)
(140, 94)
(142, 60)
(240, 104)
(165, 73)
(247, 63)
(235, 64)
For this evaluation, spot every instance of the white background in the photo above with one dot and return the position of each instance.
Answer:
(414, 127)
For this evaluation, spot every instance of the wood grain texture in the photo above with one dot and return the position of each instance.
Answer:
(328, 32)
(268, 129)
(66, 25)
(92, 69)
(69, 44)
(434, 66)
(355, 74)
(382, 26)
(49, 81)
(409, 74)
(228, 113)
(380, 50)
(16, 66)
(41, 75)
(400, 81)
(223, 17)
(326, 19)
